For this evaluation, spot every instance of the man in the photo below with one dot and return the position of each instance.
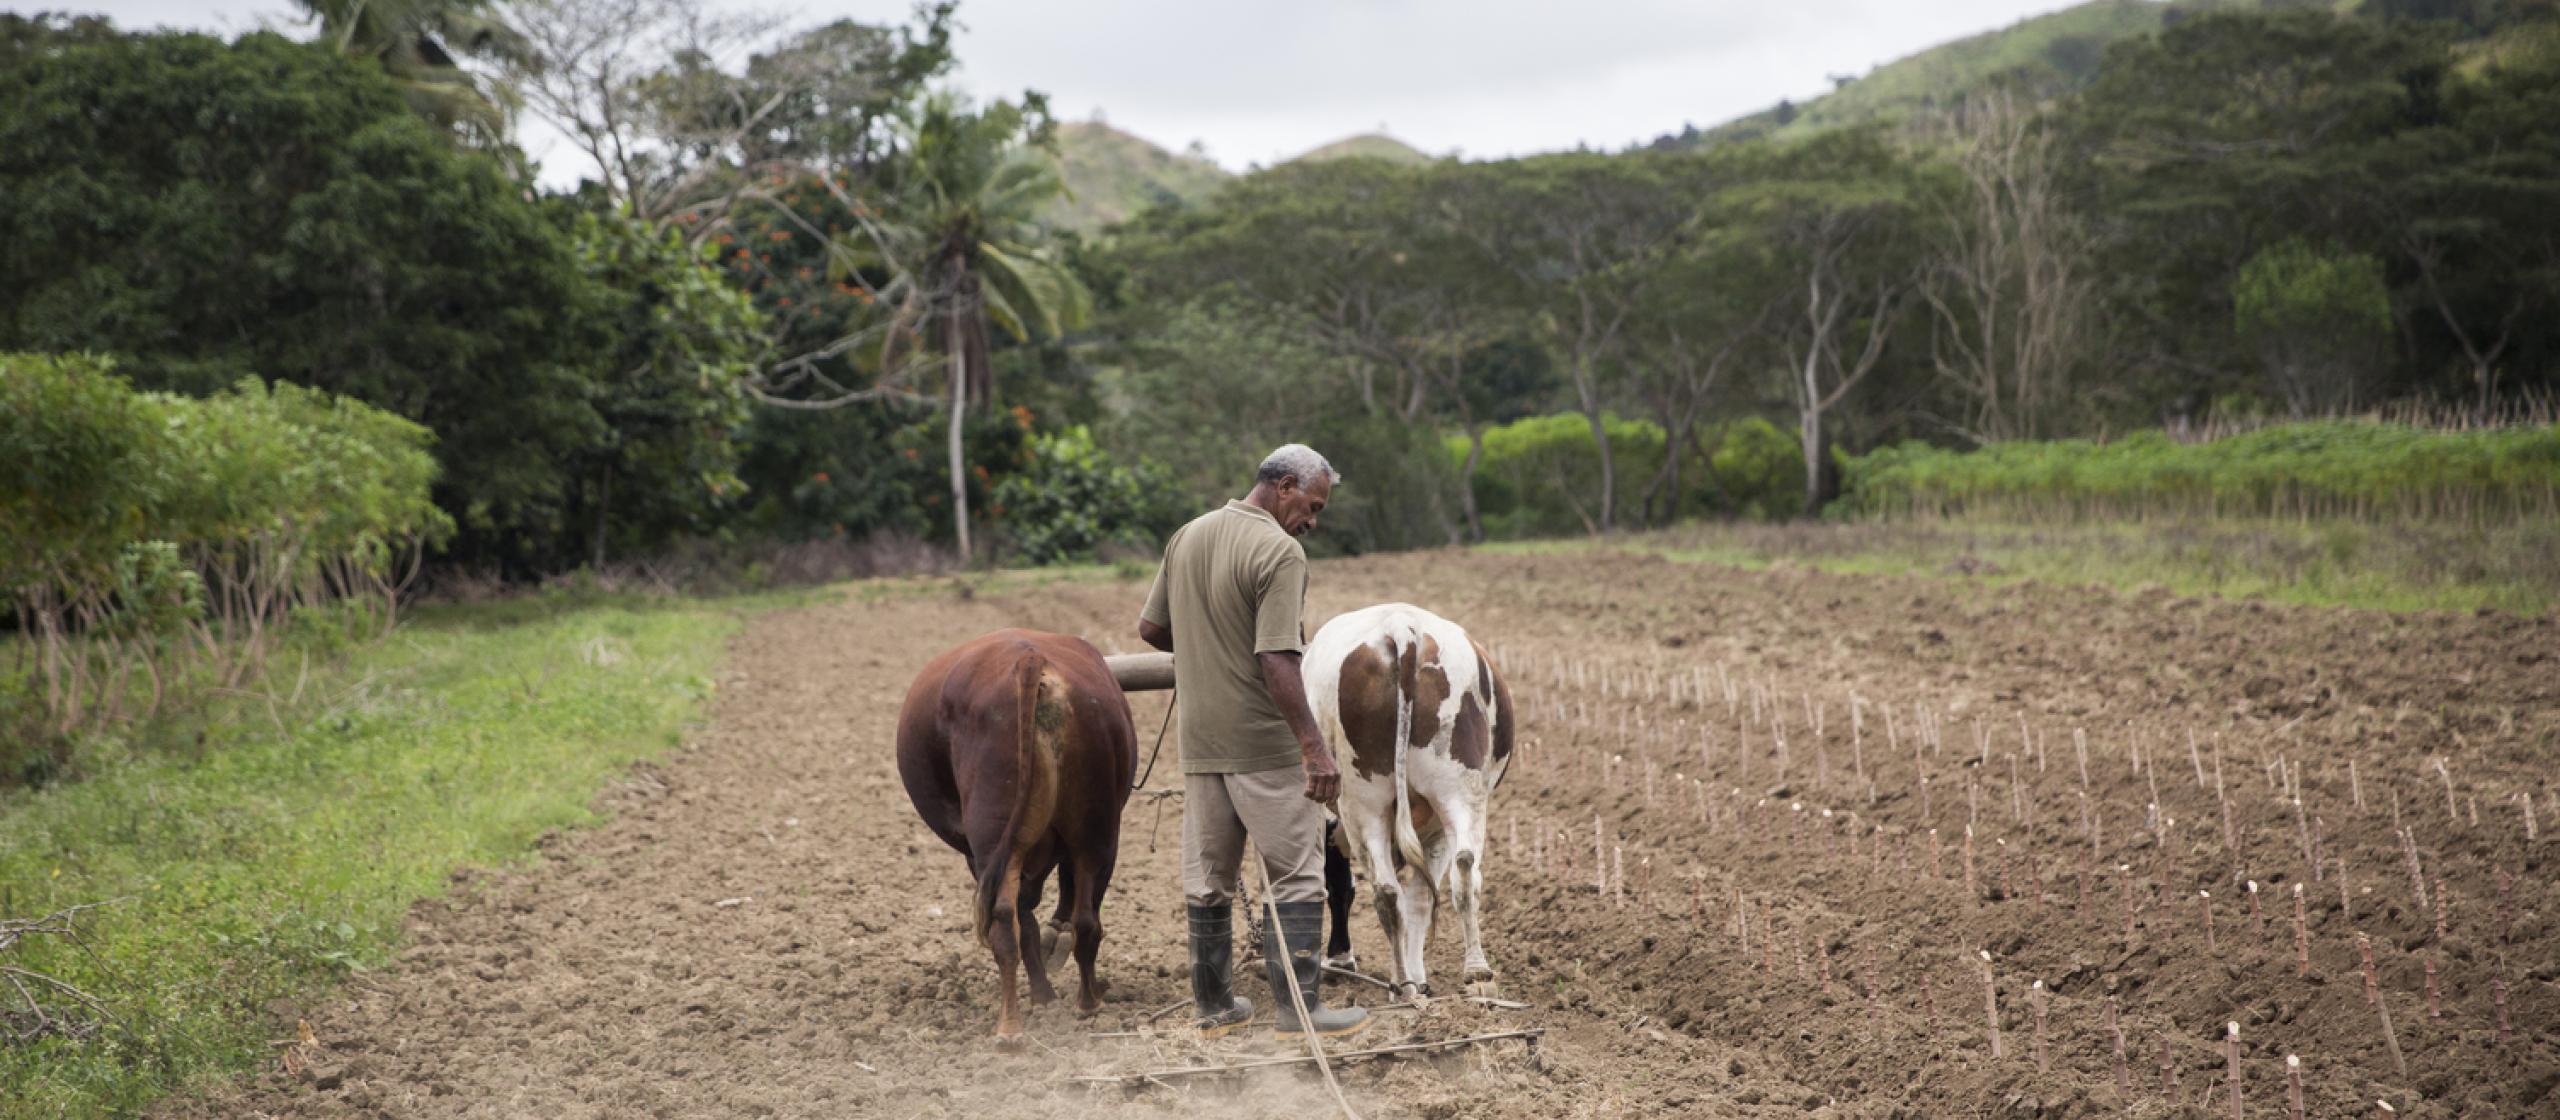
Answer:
(1226, 604)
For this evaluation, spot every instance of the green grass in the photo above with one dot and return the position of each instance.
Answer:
(2319, 563)
(284, 851)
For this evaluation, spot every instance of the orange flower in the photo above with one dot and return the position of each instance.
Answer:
(821, 476)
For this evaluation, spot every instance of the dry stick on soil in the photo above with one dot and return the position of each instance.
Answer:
(2450, 810)
(1928, 1000)
(2373, 995)
(2435, 1010)
(1971, 892)
(2301, 937)
(2498, 993)
(2168, 1069)
(2035, 995)
(2231, 1059)
(2531, 833)
(2293, 1084)
(2204, 904)
(1991, 1001)
(2355, 786)
(2444, 902)
(2257, 924)
(2346, 901)
(2115, 1031)
(2417, 878)
(2195, 756)
(2506, 907)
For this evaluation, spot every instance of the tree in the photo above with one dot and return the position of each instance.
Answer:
(671, 390)
(1578, 237)
(421, 44)
(2009, 289)
(647, 91)
(332, 239)
(2315, 318)
(1833, 224)
(2227, 133)
(954, 226)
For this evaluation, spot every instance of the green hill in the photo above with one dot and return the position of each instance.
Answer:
(1111, 175)
(2046, 55)
(1372, 145)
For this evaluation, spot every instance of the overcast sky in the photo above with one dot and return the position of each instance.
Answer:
(1260, 82)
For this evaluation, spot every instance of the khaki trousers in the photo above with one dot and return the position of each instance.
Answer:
(1270, 807)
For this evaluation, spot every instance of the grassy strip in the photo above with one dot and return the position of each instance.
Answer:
(278, 860)
(2344, 564)
(2344, 469)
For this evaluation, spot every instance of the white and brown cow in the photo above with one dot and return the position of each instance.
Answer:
(1423, 723)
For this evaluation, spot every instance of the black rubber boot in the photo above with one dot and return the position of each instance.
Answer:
(1213, 958)
(1302, 930)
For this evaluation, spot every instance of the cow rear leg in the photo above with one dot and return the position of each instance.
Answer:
(1004, 939)
(1466, 893)
(1056, 940)
(1465, 877)
(1035, 877)
(1377, 853)
(1090, 883)
(1413, 926)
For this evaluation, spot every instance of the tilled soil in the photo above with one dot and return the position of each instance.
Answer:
(764, 929)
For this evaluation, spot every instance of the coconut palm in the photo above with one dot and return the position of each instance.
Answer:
(420, 44)
(953, 228)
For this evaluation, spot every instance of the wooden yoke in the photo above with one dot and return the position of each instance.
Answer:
(1141, 672)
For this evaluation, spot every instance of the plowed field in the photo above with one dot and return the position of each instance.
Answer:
(763, 928)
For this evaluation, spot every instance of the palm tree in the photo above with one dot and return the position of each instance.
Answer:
(419, 44)
(954, 231)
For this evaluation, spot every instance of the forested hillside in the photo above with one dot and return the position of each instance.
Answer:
(1109, 176)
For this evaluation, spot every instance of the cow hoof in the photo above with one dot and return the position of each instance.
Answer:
(1485, 986)
(1055, 947)
(1346, 962)
(1087, 1010)
(1009, 1043)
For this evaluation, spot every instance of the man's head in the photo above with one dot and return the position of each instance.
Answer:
(1293, 485)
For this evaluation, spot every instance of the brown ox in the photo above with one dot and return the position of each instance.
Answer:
(1016, 749)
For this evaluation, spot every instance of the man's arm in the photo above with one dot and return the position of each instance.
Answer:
(1289, 691)
(1155, 634)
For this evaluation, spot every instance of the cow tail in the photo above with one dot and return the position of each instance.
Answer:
(1026, 735)
(1408, 841)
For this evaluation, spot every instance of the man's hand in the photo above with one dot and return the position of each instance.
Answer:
(1324, 780)
(1289, 692)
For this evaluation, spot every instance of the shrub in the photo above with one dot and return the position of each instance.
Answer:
(1070, 500)
(2341, 468)
(143, 533)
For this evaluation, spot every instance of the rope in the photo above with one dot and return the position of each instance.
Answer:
(1159, 747)
(1298, 998)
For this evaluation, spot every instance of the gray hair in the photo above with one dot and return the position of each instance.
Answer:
(1298, 460)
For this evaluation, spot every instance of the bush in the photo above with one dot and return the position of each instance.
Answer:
(1756, 469)
(2341, 468)
(146, 533)
(1070, 500)
(1540, 476)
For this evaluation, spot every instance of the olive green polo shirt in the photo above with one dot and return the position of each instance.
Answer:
(1232, 586)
